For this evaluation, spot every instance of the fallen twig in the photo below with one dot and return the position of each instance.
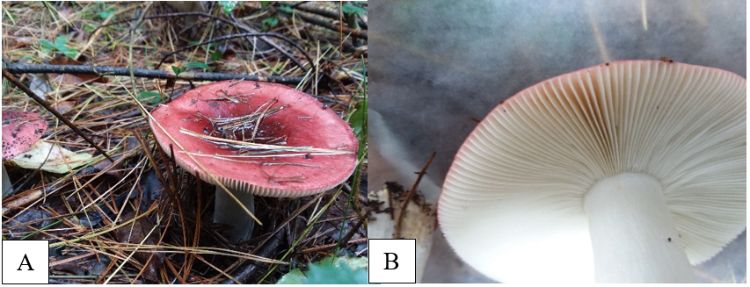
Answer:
(141, 73)
(409, 195)
(21, 200)
(331, 24)
(332, 245)
(267, 251)
(322, 10)
(272, 150)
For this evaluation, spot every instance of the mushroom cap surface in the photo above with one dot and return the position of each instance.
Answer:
(303, 120)
(512, 201)
(20, 131)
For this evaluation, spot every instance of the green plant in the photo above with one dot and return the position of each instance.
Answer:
(285, 8)
(349, 8)
(105, 11)
(228, 6)
(358, 118)
(197, 65)
(269, 23)
(149, 97)
(177, 70)
(330, 270)
(60, 45)
(215, 55)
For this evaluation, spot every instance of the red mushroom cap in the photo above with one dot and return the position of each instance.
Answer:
(304, 121)
(20, 131)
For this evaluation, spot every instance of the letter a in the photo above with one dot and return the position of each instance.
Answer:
(27, 263)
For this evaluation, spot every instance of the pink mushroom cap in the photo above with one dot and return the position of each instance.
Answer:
(303, 120)
(20, 131)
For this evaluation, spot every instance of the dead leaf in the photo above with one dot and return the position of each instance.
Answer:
(52, 158)
(39, 85)
(73, 78)
(65, 106)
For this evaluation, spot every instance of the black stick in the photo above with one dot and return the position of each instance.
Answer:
(142, 73)
(409, 195)
(46, 106)
(344, 240)
(267, 251)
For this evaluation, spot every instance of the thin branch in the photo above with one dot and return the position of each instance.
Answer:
(15, 67)
(342, 243)
(322, 10)
(267, 251)
(25, 89)
(409, 195)
(331, 24)
(333, 245)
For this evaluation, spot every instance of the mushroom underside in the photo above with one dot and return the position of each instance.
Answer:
(513, 201)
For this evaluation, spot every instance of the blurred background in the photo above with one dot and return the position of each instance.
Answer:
(438, 67)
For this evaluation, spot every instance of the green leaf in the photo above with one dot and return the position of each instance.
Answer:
(358, 118)
(216, 56)
(228, 6)
(270, 22)
(149, 97)
(61, 43)
(70, 53)
(104, 14)
(105, 11)
(293, 277)
(350, 8)
(330, 270)
(89, 28)
(286, 8)
(196, 65)
(46, 45)
(177, 70)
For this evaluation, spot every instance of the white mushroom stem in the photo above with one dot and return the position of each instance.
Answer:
(632, 232)
(226, 212)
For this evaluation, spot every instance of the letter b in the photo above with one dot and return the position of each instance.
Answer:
(388, 261)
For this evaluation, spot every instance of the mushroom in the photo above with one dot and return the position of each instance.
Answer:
(622, 172)
(20, 131)
(303, 148)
